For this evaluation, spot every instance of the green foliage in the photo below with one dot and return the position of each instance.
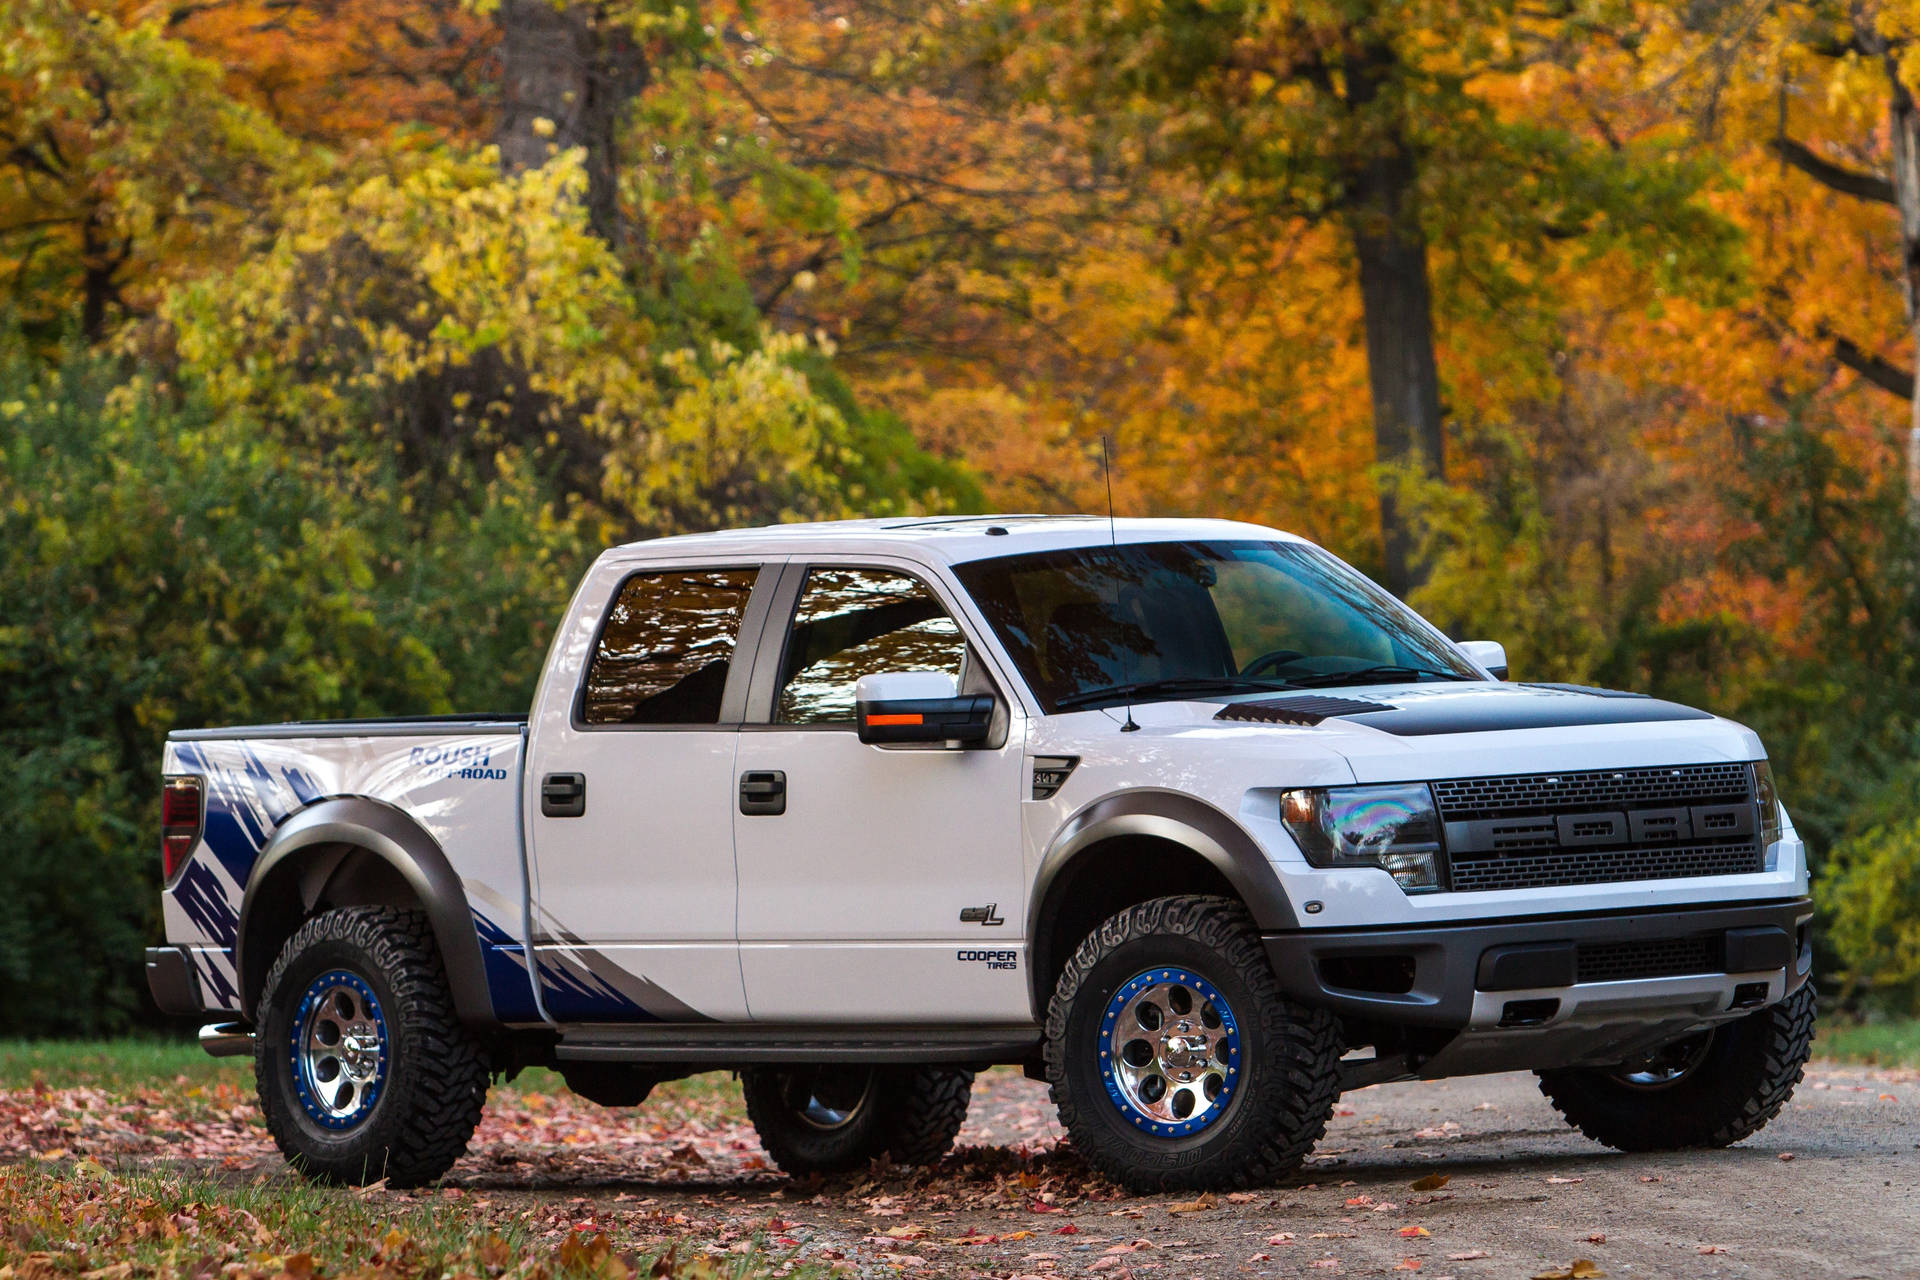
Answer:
(1870, 893)
(454, 312)
(164, 568)
(1497, 572)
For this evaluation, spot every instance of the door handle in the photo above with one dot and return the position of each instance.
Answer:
(763, 791)
(563, 795)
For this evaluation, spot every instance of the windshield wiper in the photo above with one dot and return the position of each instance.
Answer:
(1380, 673)
(1172, 686)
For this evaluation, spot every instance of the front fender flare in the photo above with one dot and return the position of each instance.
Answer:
(400, 842)
(1186, 821)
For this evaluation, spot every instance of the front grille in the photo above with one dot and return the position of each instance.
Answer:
(1604, 866)
(1599, 826)
(1472, 799)
(1660, 958)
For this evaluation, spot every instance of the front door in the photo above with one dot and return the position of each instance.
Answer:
(632, 808)
(852, 896)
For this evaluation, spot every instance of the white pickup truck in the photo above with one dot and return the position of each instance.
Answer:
(1187, 817)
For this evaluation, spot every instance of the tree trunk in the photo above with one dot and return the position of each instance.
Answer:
(1904, 126)
(575, 70)
(1397, 301)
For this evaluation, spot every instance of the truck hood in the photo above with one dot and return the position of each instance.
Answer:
(1392, 733)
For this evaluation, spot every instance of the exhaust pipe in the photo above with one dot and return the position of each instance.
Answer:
(226, 1040)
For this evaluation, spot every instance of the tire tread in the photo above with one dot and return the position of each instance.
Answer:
(439, 1073)
(1304, 1042)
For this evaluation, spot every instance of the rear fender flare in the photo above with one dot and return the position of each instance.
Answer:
(324, 833)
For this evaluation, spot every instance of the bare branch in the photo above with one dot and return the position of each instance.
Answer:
(1850, 182)
(1881, 373)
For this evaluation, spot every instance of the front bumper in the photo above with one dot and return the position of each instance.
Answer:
(1554, 991)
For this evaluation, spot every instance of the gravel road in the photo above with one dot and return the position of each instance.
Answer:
(1831, 1188)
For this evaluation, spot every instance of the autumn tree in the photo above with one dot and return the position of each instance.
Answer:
(123, 163)
(1375, 118)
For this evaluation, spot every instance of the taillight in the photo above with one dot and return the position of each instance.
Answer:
(181, 807)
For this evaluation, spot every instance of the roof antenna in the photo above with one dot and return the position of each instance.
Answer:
(1113, 541)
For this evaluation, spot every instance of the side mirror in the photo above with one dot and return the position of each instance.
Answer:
(1490, 654)
(919, 706)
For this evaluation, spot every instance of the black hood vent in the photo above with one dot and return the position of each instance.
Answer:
(1303, 709)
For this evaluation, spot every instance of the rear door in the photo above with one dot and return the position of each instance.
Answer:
(630, 799)
(853, 888)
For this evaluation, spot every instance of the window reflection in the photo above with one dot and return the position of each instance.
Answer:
(1089, 618)
(667, 647)
(856, 622)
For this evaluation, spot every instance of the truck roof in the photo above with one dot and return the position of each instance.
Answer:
(954, 539)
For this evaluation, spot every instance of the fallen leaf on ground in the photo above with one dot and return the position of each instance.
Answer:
(1408, 1264)
(1597, 1237)
(1411, 1233)
(1559, 1181)
(1786, 1155)
(1201, 1205)
(1469, 1256)
(1285, 1237)
(1578, 1269)
(1713, 1248)
(1432, 1182)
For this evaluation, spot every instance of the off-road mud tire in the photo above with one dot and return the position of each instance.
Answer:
(911, 1117)
(1290, 1052)
(437, 1072)
(1747, 1075)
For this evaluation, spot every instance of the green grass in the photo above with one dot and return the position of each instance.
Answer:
(115, 1065)
(1893, 1042)
(82, 1217)
(135, 1063)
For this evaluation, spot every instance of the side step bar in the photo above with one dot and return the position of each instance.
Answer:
(725, 1045)
(227, 1040)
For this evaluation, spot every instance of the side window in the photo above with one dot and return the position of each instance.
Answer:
(858, 622)
(666, 648)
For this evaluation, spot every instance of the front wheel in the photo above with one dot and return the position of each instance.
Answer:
(1710, 1089)
(1175, 1060)
(364, 1070)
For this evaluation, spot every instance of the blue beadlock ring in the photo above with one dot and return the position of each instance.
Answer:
(308, 1054)
(1110, 1062)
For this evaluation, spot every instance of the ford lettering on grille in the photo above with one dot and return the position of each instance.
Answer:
(1600, 826)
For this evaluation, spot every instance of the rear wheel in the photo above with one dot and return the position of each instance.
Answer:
(1710, 1089)
(833, 1118)
(363, 1068)
(1175, 1060)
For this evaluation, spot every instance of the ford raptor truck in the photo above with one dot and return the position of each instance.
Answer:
(1187, 817)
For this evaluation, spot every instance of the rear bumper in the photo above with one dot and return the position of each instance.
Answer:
(171, 979)
(1686, 966)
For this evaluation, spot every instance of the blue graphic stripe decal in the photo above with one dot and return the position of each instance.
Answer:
(199, 894)
(508, 985)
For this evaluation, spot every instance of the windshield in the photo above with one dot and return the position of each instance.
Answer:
(1090, 625)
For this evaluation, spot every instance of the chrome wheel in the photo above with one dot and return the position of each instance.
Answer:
(340, 1050)
(828, 1099)
(1668, 1064)
(1170, 1052)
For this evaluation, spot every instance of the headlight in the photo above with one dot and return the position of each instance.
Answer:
(1767, 796)
(1394, 828)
